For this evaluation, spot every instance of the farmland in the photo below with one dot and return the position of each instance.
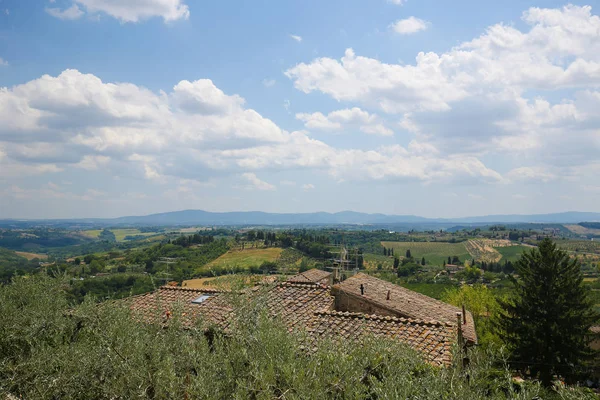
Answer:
(246, 258)
(31, 256)
(120, 234)
(583, 246)
(511, 253)
(481, 250)
(434, 252)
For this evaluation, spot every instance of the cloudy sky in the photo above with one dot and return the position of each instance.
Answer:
(440, 109)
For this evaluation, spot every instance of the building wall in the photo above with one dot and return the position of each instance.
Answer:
(345, 302)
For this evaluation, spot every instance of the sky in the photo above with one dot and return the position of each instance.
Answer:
(439, 109)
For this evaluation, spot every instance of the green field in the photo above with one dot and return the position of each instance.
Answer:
(120, 234)
(511, 253)
(246, 258)
(584, 246)
(434, 252)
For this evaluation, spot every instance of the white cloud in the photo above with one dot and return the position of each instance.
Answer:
(344, 119)
(487, 95)
(268, 82)
(70, 13)
(409, 26)
(3, 63)
(530, 174)
(286, 105)
(308, 186)
(397, 2)
(296, 38)
(255, 183)
(126, 11)
(194, 132)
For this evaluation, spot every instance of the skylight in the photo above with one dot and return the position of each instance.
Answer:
(201, 299)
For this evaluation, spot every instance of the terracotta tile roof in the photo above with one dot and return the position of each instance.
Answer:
(312, 275)
(404, 302)
(159, 305)
(431, 338)
(296, 303)
(300, 306)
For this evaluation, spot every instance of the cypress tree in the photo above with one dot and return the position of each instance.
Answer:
(546, 322)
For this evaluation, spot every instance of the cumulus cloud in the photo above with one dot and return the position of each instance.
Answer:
(296, 38)
(308, 186)
(486, 95)
(125, 11)
(255, 183)
(343, 119)
(70, 13)
(194, 132)
(531, 174)
(409, 25)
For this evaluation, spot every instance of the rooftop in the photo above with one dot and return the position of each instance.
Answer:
(300, 306)
(312, 275)
(405, 302)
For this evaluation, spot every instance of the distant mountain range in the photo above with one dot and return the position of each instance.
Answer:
(199, 217)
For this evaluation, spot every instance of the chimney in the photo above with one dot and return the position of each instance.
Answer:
(362, 289)
(388, 295)
(458, 324)
(464, 314)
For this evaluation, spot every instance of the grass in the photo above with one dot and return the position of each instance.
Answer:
(434, 252)
(511, 253)
(31, 256)
(246, 258)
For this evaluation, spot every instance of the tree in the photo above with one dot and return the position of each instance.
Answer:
(423, 261)
(546, 322)
(396, 262)
(408, 255)
(482, 303)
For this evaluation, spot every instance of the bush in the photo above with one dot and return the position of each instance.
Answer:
(50, 350)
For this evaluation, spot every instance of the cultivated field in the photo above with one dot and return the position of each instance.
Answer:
(226, 282)
(120, 234)
(511, 253)
(246, 258)
(583, 246)
(434, 252)
(481, 250)
(31, 256)
(581, 230)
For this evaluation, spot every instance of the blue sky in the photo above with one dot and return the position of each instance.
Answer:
(403, 107)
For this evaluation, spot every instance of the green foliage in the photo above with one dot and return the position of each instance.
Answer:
(49, 350)
(482, 303)
(110, 287)
(408, 269)
(107, 235)
(12, 264)
(546, 322)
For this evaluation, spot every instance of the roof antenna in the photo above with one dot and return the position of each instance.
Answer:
(362, 289)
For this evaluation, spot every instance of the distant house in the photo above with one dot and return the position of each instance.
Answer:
(339, 312)
(313, 276)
